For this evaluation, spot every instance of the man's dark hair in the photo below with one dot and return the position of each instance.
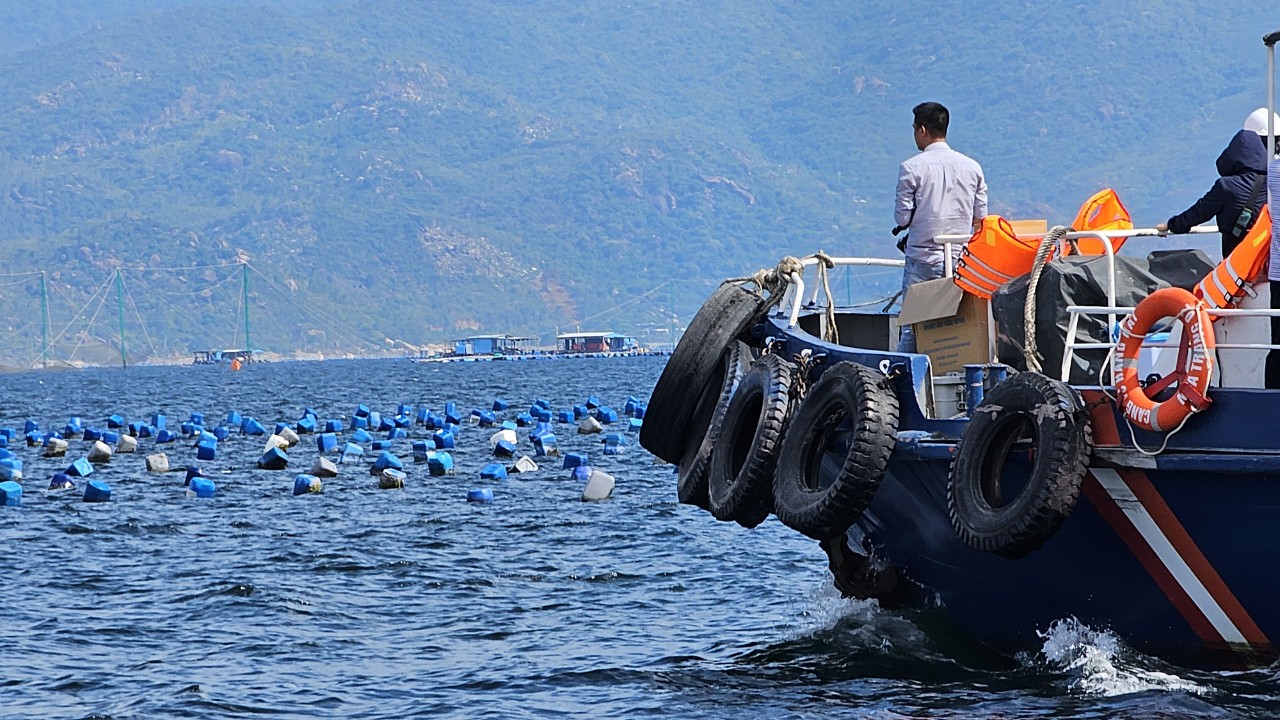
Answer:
(933, 117)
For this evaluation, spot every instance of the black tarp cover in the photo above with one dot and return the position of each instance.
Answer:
(1081, 280)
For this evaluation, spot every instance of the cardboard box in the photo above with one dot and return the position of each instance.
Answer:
(952, 327)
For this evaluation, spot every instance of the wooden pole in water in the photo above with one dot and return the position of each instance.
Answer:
(124, 362)
(44, 321)
(248, 346)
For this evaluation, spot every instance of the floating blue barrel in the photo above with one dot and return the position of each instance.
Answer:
(187, 428)
(6, 453)
(508, 425)
(499, 405)
(504, 449)
(403, 421)
(110, 437)
(304, 484)
(4, 441)
(115, 421)
(593, 402)
(222, 432)
(493, 471)
(614, 439)
(404, 409)
(80, 468)
(542, 428)
(159, 421)
(62, 481)
(443, 440)
(540, 403)
(433, 421)
(487, 418)
(206, 436)
(34, 438)
(422, 415)
(582, 473)
(573, 460)
(484, 496)
(8, 433)
(193, 472)
(451, 415)
(333, 426)
(440, 463)
(281, 427)
(421, 449)
(234, 418)
(196, 418)
(207, 450)
(639, 412)
(361, 436)
(397, 433)
(386, 460)
(273, 459)
(253, 427)
(634, 425)
(629, 406)
(524, 419)
(382, 445)
(385, 423)
(326, 442)
(72, 429)
(564, 416)
(543, 415)
(10, 494)
(375, 420)
(306, 425)
(146, 431)
(96, 491)
(359, 422)
(606, 415)
(579, 412)
(11, 468)
(350, 453)
(30, 426)
(165, 436)
(453, 429)
(91, 434)
(362, 411)
(545, 444)
(311, 413)
(201, 487)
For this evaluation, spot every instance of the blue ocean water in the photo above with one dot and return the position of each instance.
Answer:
(362, 602)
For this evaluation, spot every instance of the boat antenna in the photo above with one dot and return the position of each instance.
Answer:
(124, 363)
(1270, 42)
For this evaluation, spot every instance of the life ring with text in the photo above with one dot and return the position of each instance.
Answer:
(1191, 374)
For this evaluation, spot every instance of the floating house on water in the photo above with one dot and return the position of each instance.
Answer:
(596, 342)
(494, 345)
(213, 357)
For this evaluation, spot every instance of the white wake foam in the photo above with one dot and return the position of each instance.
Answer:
(1101, 665)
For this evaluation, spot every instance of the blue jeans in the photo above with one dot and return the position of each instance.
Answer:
(915, 271)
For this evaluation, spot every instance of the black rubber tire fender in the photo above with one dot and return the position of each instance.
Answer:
(725, 316)
(740, 484)
(704, 424)
(847, 399)
(1053, 416)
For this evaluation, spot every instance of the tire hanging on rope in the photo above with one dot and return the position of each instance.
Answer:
(746, 450)
(1029, 429)
(726, 316)
(704, 424)
(833, 457)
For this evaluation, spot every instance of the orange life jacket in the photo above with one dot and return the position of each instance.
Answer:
(1103, 211)
(994, 256)
(1224, 287)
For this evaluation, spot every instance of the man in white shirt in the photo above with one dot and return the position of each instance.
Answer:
(940, 192)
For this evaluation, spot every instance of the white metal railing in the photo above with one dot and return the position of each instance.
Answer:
(793, 300)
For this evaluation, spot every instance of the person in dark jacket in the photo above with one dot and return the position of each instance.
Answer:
(1243, 167)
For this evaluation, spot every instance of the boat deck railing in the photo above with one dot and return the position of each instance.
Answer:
(792, 301)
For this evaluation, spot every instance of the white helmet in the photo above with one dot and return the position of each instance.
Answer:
(1257, 122)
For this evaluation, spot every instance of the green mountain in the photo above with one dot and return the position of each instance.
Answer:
(403, 170)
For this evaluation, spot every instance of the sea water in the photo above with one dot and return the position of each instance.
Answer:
(361, 602)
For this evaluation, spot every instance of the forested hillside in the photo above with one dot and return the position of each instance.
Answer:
(415, 171)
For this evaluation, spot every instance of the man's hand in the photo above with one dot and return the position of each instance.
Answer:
(1162, 228)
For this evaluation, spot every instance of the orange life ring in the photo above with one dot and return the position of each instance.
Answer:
(1192, 373)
